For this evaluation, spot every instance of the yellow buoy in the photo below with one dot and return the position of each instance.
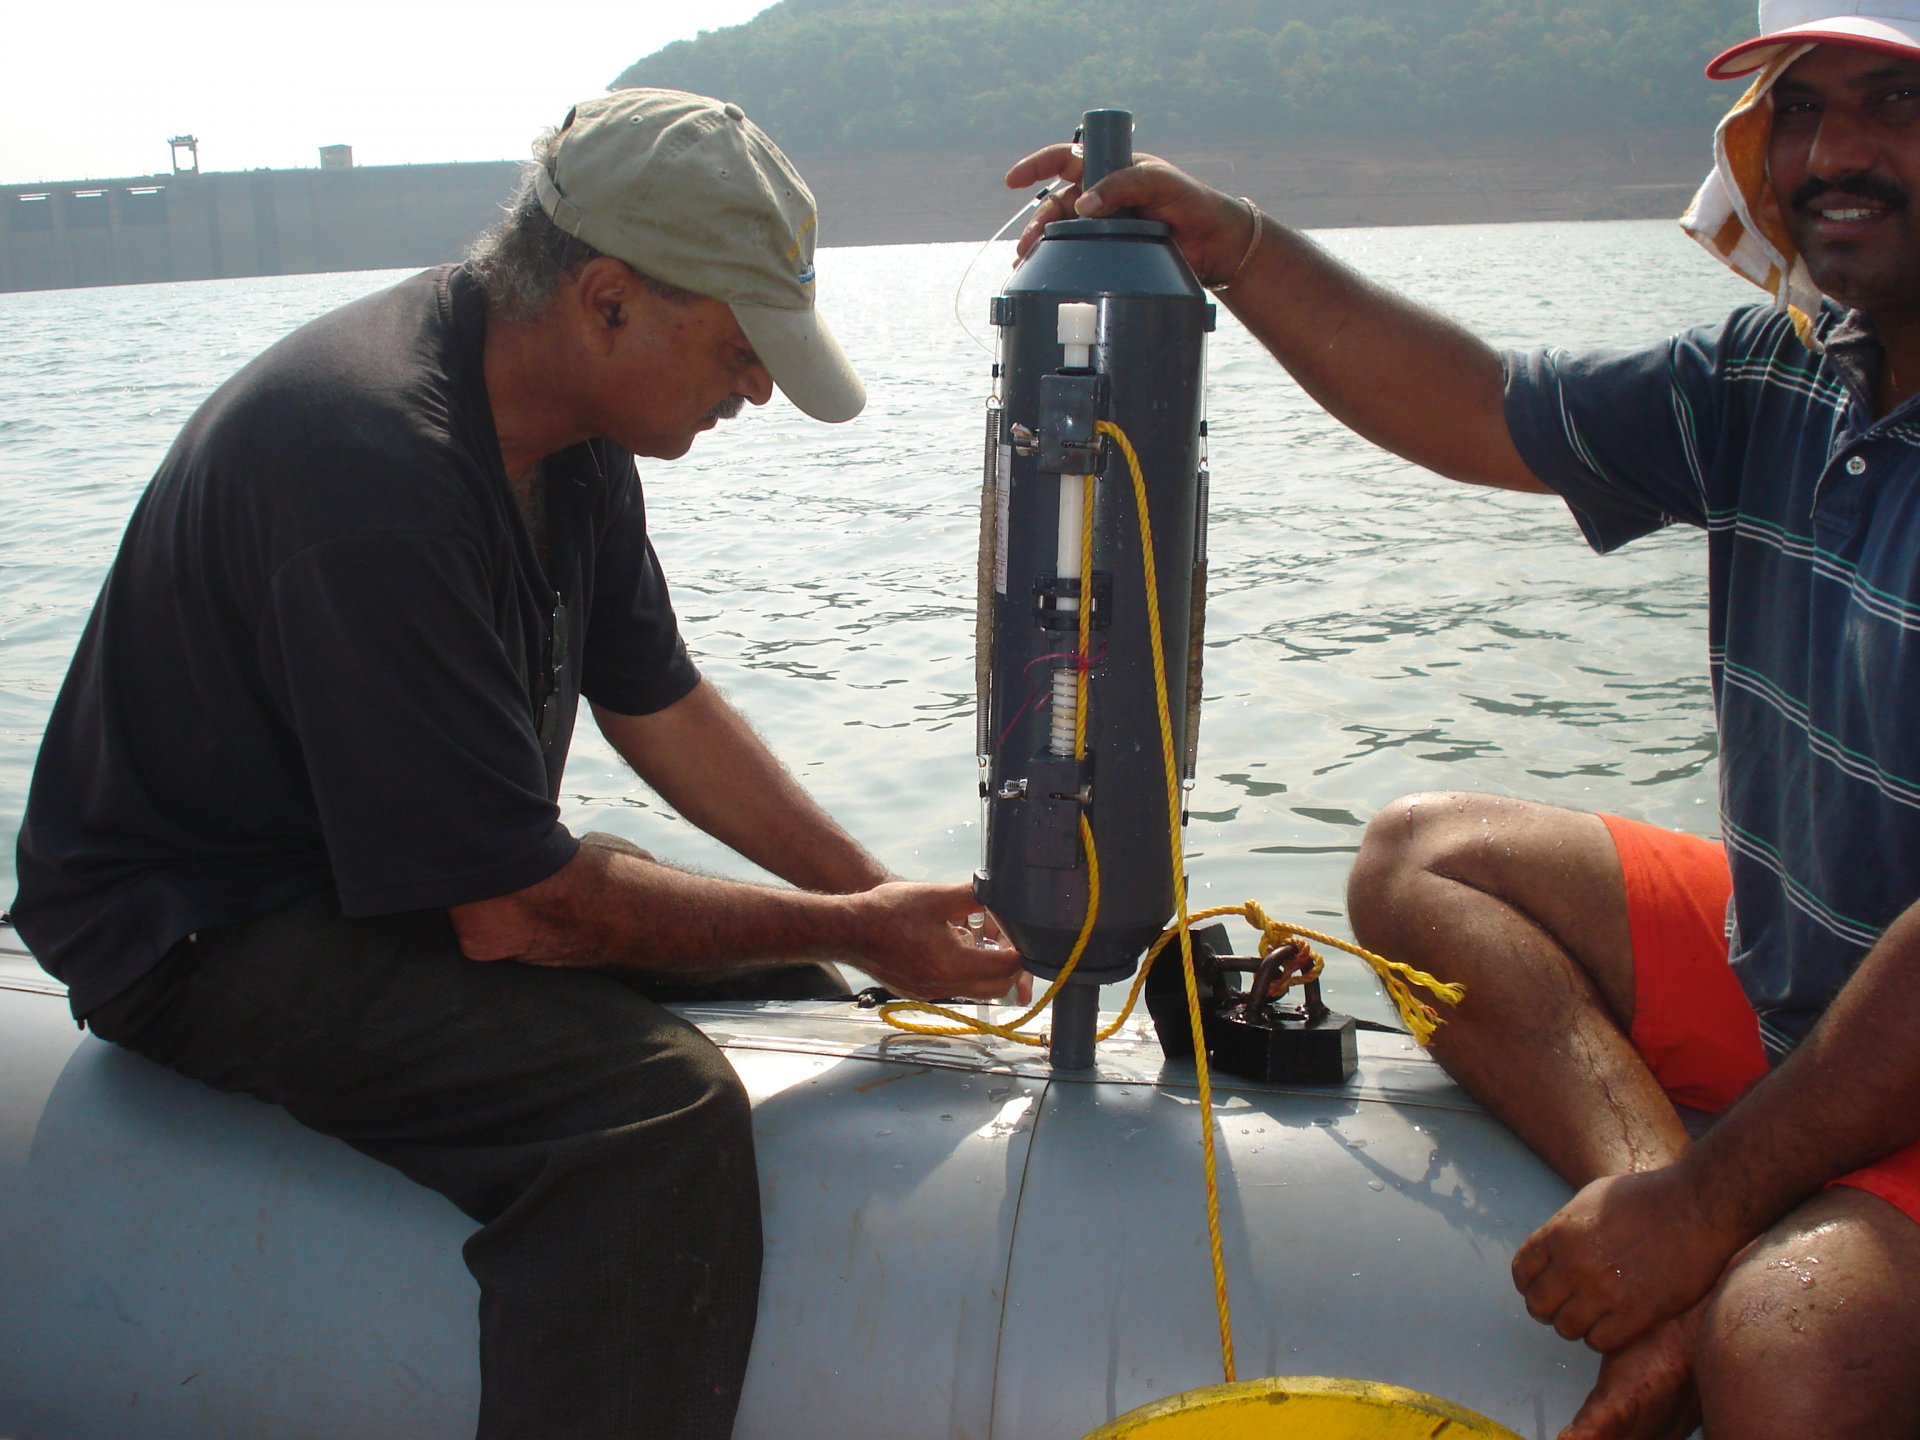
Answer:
(1301, 1408)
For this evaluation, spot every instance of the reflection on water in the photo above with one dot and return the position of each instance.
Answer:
(1371, 630)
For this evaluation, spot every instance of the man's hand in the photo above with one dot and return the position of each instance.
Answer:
(1626, 1253)
(917, 944)
(1397, 373)
(1212, 229)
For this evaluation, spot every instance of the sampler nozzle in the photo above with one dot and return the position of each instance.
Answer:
(1106, 144)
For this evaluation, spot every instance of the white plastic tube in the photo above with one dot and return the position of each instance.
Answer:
(1079, 323)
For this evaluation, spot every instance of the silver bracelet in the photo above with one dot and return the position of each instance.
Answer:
(1253, 244)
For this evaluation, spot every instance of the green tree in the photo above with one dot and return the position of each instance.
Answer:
(873, 74)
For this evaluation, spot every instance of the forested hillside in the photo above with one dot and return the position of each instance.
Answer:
(855, 75)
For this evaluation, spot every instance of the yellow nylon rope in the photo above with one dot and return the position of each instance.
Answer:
(963, 1024)
(1119, 437)
(1400, 980)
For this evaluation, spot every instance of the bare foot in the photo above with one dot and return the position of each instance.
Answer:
(1645, 1391)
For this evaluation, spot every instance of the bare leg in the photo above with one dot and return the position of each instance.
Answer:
(1525, 906)
(1816, 1328)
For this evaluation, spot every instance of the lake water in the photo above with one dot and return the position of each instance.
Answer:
(1371, 629)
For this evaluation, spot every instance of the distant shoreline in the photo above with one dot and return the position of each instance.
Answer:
(899, 198)
(291, 222)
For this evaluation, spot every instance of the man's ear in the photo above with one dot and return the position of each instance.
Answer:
(604, 292)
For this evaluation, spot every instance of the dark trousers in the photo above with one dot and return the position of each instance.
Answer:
(603, 1145)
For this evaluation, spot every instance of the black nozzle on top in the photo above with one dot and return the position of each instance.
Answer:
(1106, 142)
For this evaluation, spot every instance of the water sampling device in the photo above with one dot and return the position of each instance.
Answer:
(1091, 618)
(1102, 344)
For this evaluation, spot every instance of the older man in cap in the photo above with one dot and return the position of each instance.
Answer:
(1766, 1275)
(293, 827)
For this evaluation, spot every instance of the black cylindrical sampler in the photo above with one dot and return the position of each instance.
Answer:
(1101, 329)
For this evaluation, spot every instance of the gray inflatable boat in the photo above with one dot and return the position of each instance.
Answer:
(961, 1242)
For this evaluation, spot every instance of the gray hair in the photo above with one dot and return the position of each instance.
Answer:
(521, 261)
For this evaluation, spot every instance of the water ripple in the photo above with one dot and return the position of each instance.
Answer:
(1371, 630)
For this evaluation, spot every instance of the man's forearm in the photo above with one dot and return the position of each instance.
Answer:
(610, 908)
(1631, 1250)
(1405, 377)
(705, 761)
(1848, 1095)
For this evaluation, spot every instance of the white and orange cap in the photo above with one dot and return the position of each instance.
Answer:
(687, 190)
(1889, 25)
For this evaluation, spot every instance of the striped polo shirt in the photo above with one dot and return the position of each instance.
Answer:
(1812, 513)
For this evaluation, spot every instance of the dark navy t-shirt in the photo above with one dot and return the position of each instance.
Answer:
(1811, 504)
(328, 653)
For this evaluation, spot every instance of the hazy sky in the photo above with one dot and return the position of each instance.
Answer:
(93, 89)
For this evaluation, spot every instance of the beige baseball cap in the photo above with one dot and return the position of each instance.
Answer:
(688, 190)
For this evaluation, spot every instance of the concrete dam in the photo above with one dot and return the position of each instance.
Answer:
(202, 226)
(195, 226)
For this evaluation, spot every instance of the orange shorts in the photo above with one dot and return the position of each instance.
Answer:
(1692, 1023)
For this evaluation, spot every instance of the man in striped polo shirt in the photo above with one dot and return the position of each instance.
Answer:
(1766, 1277)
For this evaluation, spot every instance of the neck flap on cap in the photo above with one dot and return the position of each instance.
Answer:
(1735, 215)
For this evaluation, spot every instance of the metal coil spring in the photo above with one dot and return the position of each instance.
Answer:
(1066, 696)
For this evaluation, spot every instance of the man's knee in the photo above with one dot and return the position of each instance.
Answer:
(1469, 885)
(682, 1079)
(1815, 1330)
(699, 1154)
(1427, 833)
(724, 1107)
(1409, 832)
